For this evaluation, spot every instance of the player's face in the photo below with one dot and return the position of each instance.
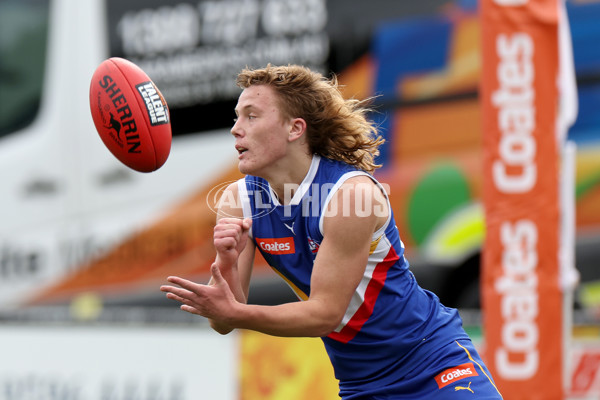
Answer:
(261, 132)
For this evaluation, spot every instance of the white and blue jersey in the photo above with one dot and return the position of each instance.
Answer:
(391, 325)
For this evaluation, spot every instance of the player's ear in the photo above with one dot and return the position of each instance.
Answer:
(297, 129)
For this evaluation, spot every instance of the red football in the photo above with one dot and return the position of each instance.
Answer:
(130, 115)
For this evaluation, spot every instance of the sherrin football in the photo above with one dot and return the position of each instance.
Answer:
(130, 115)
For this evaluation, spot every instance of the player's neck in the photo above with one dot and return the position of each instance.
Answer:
(286, 178)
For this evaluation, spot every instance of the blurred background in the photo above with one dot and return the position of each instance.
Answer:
(85, 242)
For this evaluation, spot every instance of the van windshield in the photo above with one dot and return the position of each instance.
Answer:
(23, 40)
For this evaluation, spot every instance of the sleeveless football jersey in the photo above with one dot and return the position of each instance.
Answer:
(391, 324)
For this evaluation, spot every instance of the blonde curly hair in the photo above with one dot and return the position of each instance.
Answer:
(337, 128)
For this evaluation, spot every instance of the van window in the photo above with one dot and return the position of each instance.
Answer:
(23, 40)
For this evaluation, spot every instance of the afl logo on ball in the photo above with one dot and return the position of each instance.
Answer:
(155, 104)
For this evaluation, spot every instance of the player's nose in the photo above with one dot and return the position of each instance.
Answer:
(236, 129)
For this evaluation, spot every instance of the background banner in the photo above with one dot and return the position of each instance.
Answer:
(521, 293)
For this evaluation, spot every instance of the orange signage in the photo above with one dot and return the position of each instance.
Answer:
(520, 286)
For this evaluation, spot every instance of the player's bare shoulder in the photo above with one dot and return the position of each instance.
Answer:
(229, 204)
(360, 196)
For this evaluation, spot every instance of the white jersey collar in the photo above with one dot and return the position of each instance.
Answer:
(304, 186)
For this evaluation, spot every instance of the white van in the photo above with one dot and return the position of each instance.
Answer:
(76, 222)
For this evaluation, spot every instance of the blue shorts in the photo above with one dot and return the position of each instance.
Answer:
(455, 373)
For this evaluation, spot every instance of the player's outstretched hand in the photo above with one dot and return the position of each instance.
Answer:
(214, 301)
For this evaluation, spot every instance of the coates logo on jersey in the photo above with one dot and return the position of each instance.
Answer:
(454, 374)
(277, 246)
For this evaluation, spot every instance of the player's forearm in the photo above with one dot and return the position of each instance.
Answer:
(298, 319)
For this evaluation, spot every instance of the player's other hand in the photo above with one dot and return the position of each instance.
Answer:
(230, 238)
(214, 301)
